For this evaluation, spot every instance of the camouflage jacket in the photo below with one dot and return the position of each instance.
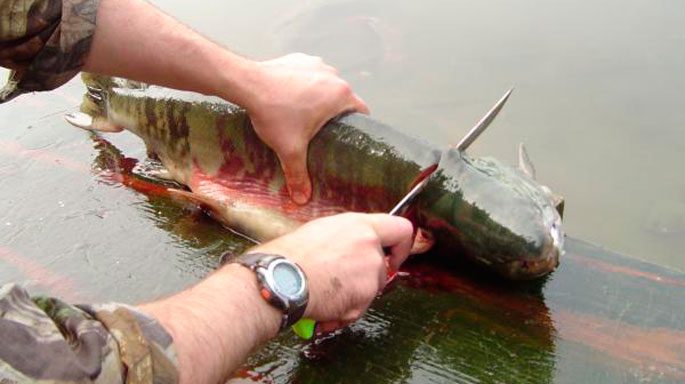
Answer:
(44, 42)
(47, 340)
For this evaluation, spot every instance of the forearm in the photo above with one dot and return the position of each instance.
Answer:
(216, 324)
(135, 40)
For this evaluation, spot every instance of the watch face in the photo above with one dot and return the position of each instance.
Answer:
(288, 281)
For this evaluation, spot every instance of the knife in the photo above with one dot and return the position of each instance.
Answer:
(470, 137)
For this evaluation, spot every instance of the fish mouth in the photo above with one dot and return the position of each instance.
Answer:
(549, 261)
(557, 236)
(530, 269)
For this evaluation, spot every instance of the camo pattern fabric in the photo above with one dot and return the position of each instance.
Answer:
(45, 340)
(44, 42)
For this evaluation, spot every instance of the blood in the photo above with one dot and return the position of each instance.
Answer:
(604, 266)
(57, 284)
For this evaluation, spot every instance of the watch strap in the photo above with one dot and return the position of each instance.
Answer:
(255, 261)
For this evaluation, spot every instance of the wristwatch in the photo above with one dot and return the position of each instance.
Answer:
(283, 284)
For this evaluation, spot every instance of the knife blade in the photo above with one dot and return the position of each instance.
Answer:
(465, 142)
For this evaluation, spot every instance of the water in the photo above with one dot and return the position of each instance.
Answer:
(598, 102)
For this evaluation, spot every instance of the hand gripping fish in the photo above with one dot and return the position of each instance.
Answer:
(476, 208)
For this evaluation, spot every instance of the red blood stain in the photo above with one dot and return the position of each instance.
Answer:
(57, 284)
(604, 266)
(429, 276)
(659, 350)
(45, 156)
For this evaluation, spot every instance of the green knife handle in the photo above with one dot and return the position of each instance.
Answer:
(304, 328)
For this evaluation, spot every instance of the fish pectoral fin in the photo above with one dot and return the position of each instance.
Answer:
(90, 123)
(525, 164)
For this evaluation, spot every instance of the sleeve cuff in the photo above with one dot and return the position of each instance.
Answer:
(63, 54)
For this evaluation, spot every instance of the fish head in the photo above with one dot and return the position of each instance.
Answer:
(495, 215)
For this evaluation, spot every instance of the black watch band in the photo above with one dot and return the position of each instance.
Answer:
(292, 308)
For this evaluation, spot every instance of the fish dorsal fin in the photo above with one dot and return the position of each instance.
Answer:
(525, 165)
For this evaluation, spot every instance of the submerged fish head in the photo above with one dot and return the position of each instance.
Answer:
(495, 215)
(552, 240)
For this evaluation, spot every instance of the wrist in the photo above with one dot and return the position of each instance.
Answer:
(240, 80)
(282, 284)
(312, 274)
(216, 323)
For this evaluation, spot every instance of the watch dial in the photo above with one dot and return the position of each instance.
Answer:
(287, 279)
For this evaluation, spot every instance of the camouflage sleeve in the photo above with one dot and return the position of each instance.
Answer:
(44, 42)
(47, 340)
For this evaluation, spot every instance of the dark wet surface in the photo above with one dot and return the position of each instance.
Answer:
(598, 104)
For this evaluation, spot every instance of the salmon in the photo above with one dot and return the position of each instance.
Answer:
(472, 208)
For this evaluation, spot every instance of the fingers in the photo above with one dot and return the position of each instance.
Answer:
(295, 164)
(351, 102)
(296, 176)
(331, 69)
(302, 93)
(359, 105)
(395, 233)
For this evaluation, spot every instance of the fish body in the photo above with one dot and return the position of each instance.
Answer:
(477, 208)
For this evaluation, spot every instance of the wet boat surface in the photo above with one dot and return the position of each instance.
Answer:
(601, 317)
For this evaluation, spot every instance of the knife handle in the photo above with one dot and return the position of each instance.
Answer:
(304, 328)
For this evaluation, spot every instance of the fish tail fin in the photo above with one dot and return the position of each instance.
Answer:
(90, 123)
(93, 111)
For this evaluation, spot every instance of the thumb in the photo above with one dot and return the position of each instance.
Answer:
(296, 175)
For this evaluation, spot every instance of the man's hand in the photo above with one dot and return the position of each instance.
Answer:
(344, 261)
(299, 94)
(216, 323)
(289, 99)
